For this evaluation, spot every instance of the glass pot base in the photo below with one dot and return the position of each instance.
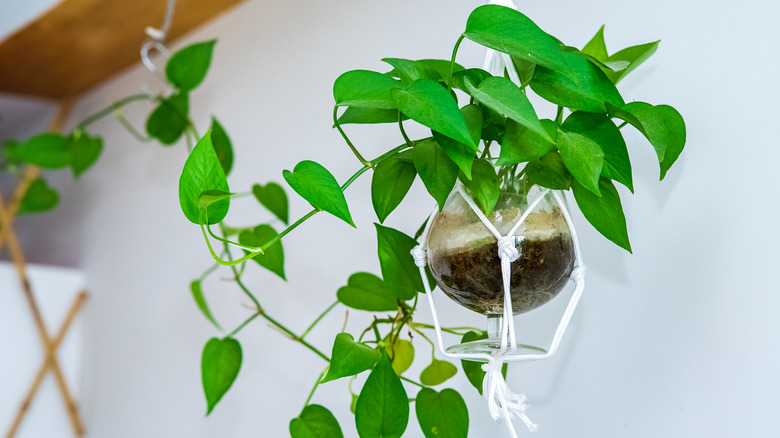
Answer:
(489, 346)
(492, 344)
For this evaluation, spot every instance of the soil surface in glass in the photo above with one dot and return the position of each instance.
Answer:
(471, 274)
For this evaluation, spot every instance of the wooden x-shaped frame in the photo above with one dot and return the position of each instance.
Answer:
(50, 362)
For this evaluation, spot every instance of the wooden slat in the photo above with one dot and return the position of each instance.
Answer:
(79, 43)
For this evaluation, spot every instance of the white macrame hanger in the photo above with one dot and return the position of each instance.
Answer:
(504, 404)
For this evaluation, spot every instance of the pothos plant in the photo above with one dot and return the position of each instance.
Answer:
(78, 150)
(485, 132)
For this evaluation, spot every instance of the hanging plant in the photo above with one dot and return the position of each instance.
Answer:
(484, 134)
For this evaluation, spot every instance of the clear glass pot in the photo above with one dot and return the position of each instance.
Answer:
(463, 254)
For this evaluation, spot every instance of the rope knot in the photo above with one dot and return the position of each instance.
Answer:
(419, 256)
(578, 273)
(507, 247)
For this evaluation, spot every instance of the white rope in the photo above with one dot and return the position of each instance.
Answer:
(503, 404)
(496, 63)
(156, 42)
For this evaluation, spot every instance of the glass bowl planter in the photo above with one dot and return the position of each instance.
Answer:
(463, 255)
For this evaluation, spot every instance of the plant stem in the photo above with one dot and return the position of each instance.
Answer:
(452, 62)
(424, 337)
(451, 330)
(295, 337)
(559, 115)
(120, 117)
(243, 324)
(106, 111)
(346, 139)
(209, 271)
(238, 278)
(261, 312)
(403, 132)
(227, 241)
(316, 384)
(322, 315)
(413, 382)
(622, 125)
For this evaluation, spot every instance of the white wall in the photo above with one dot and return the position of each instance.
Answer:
(668, 341)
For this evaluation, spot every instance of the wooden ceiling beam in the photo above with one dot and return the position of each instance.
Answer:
(79, 43)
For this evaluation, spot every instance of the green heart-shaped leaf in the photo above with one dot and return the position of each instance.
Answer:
(409, 71)
(169, 120)
(587, 90)
(604, 212)
(200, 299)
(47, 150)
(483, 185)
(84, 151)
(520, 144)
(273, 197)
(473, 75)
(583, 157)
(188, 67)
(220, 364)
(634, 56)
(596, 47)
(503, 96)
(349, 358)
(442, 414)
(273, 257)
(472, 114)
(507, 30)
(602, 130)
(428, 103)
(393, 177)
(437, 171)
(39, 197)
(202, 172)
(209, 197)
(549, 171)
(382, 409)
(315, 421)
(222, 145)
(318, 186)
(366, 291)
(663, 126)
(402, 355)
(438, 372)
(359, 115)
(460, 153)
(401, 275)
(365, 89)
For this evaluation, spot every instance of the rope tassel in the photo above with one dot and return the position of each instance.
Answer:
(502, 402)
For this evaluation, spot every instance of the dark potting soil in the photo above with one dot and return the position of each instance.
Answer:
(473, 275)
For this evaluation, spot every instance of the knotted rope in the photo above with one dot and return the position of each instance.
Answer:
(503, 404)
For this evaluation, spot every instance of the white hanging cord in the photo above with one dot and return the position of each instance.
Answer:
(162, 33)
(497, 62)
(528, 211)
(477, 211)
(503, 404)
(156, 42)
